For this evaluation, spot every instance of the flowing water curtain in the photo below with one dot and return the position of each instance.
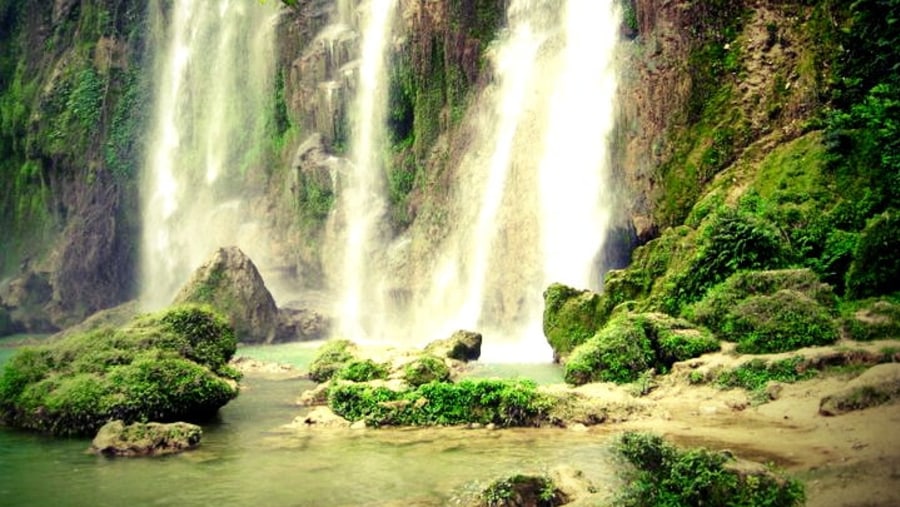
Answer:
(213, 72)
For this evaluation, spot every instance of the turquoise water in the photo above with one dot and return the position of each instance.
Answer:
(246, 458)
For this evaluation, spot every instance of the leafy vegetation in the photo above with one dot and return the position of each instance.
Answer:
(362, 370)
(500, 402)
(539, 491)
(163, 367)
(870, 319)
(661, 474)
(330, 358)
(756, 373)
(425, 369)
(570, 317)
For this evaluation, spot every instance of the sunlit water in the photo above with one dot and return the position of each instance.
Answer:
(245, 458)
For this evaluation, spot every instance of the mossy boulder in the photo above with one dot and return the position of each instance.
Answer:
(361, 370)
(230, 283)
(116, 438)
(658, 473)
(424, 369)
(631, 344)
(164, 367)
(785, 321)
(331, 358)
(571, 316)
(462, 346)
(619, 352)
(873, 320)
(875, 268)
(521, 490)
(878, 385)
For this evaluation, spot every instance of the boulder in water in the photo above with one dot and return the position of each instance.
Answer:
(229, 282)
(145, 439)
(462, 345)
(296, 324)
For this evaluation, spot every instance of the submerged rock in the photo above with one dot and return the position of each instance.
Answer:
(462, 345)
(878, 385)
(145, 439)
(523, 491)
(229, 282)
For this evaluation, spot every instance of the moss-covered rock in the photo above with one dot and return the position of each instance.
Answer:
(229, 282)
(164, 367)
(425, 369)
(331, 357)
(631, 344)
(784, 321)
(873, 320)
(619, 352)
(520, 490)
(361, 370)
(715, 309)
(662, 474)
(145, 439)
(570, 317)
(876, 386)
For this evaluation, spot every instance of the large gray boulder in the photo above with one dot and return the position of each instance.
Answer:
(230, 283)
(145, 439)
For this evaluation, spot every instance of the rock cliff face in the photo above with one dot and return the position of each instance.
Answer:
(72, 101)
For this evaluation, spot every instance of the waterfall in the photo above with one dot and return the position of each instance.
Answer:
(530, 205)
(213, 89)
(363, 202)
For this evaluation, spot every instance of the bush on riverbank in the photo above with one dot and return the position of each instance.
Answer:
(162, 367)
(664, 475)
(330, 359)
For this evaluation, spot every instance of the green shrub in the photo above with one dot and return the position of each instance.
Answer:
(619, 352)
(730, 240)
(361, 371)
(570, 317)
(875, 268)
(661, 474)
(501, 402)
(331, 357)
(426, 369)
(784, 321)
(163, 367)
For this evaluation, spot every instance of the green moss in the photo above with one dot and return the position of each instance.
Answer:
(361, 371)
(619, 352)
(425, 369)
(631, 344)
(330, 358)
(501, 402)
(661, 474)
(784, 321)
(875, 268)
(872, 319)
(715, 310)
(539, 491)
(161, 367)
(570, 317)
(756, 373)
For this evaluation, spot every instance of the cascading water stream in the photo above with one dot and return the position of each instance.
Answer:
(213, 82)
(363, 199)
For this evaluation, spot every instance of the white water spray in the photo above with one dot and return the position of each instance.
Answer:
(213, 86)
(363, 199)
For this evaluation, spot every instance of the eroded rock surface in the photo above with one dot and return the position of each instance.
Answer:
(145, 439)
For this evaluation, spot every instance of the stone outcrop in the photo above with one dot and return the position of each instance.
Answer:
(462, 345)
(145, 439)
(230, 283)
(300, 324)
